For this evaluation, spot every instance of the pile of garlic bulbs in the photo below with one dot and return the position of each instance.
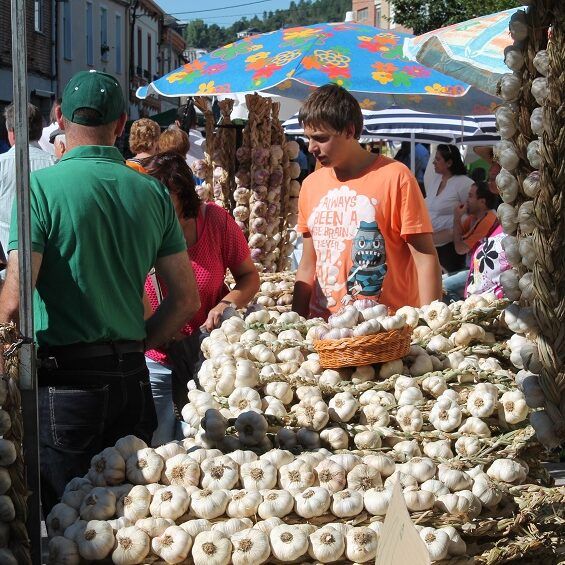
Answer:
(285, 461)
(139, 504)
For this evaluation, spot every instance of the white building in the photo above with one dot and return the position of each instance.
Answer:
(92, 34)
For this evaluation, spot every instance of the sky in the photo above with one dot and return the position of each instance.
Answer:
(221, 12)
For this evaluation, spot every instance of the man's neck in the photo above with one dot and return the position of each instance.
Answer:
(358, 161)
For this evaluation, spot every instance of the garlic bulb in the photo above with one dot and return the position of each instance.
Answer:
(326, 544)
(526, 217)
(508, 218)
(509, 280)
(486, 491)
(512, 408)
(209, 504)
(481, 403)
(437, 314)
(407, 448)
(437, 542)
(296, 476)
(507, 471)
(288, 542)
(258, 475)
(62, 551)
(244, 399)
(243, 503)
(96, 541)
(536, 121)
(135, 504)
(98, 504)
(194, 527)
(409, 418)
(434, 385)
(529, 384)
(331, 476)
(363, 478)
(374, 416)
(250, 547)
(507, 155)
(421, 468)
(251, 427)
(231, 526)
(312, 412)
(445, 415)
(342, 407)
(381, 462)
(540, 90)
(434, 486)
(107, 468)
(170, 502)
(278, 457)
(454, 479)
(440, 449)
(541, 62)
(368, 439)
(144, 466)
(533, 154)
(510, 86)
(545, 429)
(418, 500)
(313, 501)
(59, 519)
(129, 445)
(347, 503)
(361, 544)
(376, 500)
(346, 460)
(453, 504)
(506, 121)
(211, 548)
(182, 470)
(132, 546)
(467, 446)
(475, 427)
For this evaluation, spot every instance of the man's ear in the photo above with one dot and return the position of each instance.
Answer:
(59, 117)
(350, 131)
(121, 124)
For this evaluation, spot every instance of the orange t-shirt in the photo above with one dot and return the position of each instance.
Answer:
(135, 165)
(473, 231)
(358, 229)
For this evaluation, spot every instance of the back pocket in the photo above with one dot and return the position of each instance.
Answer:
(78, 415)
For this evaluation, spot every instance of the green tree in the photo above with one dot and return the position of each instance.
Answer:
(426, 15)
(196, 34)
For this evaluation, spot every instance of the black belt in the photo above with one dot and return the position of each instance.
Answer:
(49, 356)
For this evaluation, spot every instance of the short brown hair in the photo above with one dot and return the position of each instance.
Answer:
(171, 169)
(331, 105)
(174, 139)
(34, 121)
(143, 135)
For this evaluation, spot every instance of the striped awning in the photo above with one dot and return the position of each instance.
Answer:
(405, 125)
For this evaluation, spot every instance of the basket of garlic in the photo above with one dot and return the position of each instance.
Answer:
(362, 333)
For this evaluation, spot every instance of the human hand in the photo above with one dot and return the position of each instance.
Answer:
(214, 318)
(459, 210)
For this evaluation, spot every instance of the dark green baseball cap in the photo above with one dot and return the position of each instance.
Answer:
(97, 91)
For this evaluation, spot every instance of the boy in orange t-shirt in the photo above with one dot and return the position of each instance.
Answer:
(366, 230)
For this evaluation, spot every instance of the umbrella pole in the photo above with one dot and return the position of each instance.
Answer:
(28, 377)
(413, 153)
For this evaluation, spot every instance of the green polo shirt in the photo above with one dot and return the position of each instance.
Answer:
(99, 225)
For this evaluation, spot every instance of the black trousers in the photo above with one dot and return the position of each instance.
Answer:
(449, 259)
(85, 406)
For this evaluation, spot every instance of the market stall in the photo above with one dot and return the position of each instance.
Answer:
(300, 431)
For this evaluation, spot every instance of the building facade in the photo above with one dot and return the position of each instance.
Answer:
(378, 13)
(92, 34)
(42, 84)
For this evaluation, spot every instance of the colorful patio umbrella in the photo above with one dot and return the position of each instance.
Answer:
(400, 125)
(472, 51)
(369, 62)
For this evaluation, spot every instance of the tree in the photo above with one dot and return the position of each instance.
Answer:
(196, 34)
(426, 15)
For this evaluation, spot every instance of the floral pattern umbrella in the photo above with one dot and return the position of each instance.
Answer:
(472, 51)
(291, 62)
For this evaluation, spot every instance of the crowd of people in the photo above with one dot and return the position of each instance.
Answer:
(129, 266)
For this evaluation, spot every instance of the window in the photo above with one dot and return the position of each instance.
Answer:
(118, 43)
(392, 23)
(149, 55)
(104, 47)
(38, 15)
(378, 15)
(67, 31)
(89, 35)
(363, 15)
(139, 51)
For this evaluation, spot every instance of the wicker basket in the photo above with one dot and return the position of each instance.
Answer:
(363, 350)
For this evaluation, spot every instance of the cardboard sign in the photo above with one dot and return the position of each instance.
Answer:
(400, 542)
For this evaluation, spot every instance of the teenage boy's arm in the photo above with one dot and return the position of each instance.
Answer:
(305, 275)
(427, 266)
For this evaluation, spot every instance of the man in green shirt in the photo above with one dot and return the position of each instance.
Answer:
(97, 228)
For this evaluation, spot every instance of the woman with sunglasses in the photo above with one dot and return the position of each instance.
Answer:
(215, 243)
(449, 189)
